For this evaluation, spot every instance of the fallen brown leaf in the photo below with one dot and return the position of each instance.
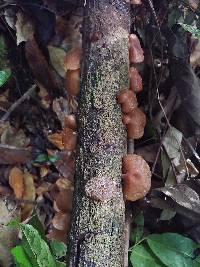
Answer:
(29, 194)
(64, 200)
(13, 155)
(16, 181)
(44, 187)
(58, 235)
(61, 221)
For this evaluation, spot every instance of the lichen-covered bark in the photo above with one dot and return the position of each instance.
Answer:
(97, 230)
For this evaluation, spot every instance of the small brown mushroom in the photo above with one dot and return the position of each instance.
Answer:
(70, 122)
(135, 80)
(128, 100)
(73, 59)
(136, 54)
(69, 139)
(100, 189)
(136, 178)
(135, 122)
(72, 81)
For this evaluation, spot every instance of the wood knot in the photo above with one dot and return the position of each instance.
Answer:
(100, 189)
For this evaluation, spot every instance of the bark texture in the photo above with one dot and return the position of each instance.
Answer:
(97, 229)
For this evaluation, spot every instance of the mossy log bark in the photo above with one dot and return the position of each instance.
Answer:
(97, 229)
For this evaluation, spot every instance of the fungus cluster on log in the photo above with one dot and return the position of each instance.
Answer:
(136, 172)
(68, 140)
(136, 177)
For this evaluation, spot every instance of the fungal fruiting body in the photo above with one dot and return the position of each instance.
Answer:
(135, 80)
(72, 66)
(128, 100)
(72, 81)
(100, 189)
(135, 123)
(73, 59)
(136, 54)
(136, 177)
(69, 139)
(70, 122)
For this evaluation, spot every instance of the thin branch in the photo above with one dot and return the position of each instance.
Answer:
(17, 103)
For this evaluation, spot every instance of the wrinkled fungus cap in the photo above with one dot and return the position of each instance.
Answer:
(128, 100)
(136, 178)
(136, 54)
(135, 121)
(135, 80)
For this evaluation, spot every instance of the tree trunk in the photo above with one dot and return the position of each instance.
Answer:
(97, 229)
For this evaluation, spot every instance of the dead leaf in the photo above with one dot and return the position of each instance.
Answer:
(183, 195)
(61, 221)
(64, 200)
(13, 155)
(66, 165)
(24, 28)
(63, 183)
(172, 143)
(44, 171)
(64, 140)
(57, 56)
(57, 140)
(4, 191)
(44, 187)
(12, 137)
(58, 235)
(61, 108)
(16, 181)
(44, 95)
(29, 194)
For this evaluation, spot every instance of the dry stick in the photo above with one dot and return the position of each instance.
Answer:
(17, 103)
(128, 214)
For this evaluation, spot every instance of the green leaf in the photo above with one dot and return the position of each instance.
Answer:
(136, 236)
(192, 29)
(36, 248)
(4, 76)
(36, 223)
(60, 264)
(139, 219)
(14, 223)
(174, 249)
(42, 158)
(59, 249)
(20, 257)
(53, 158)
(142, 256)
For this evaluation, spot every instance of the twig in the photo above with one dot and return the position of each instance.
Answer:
(17, 103)
(128, 213)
